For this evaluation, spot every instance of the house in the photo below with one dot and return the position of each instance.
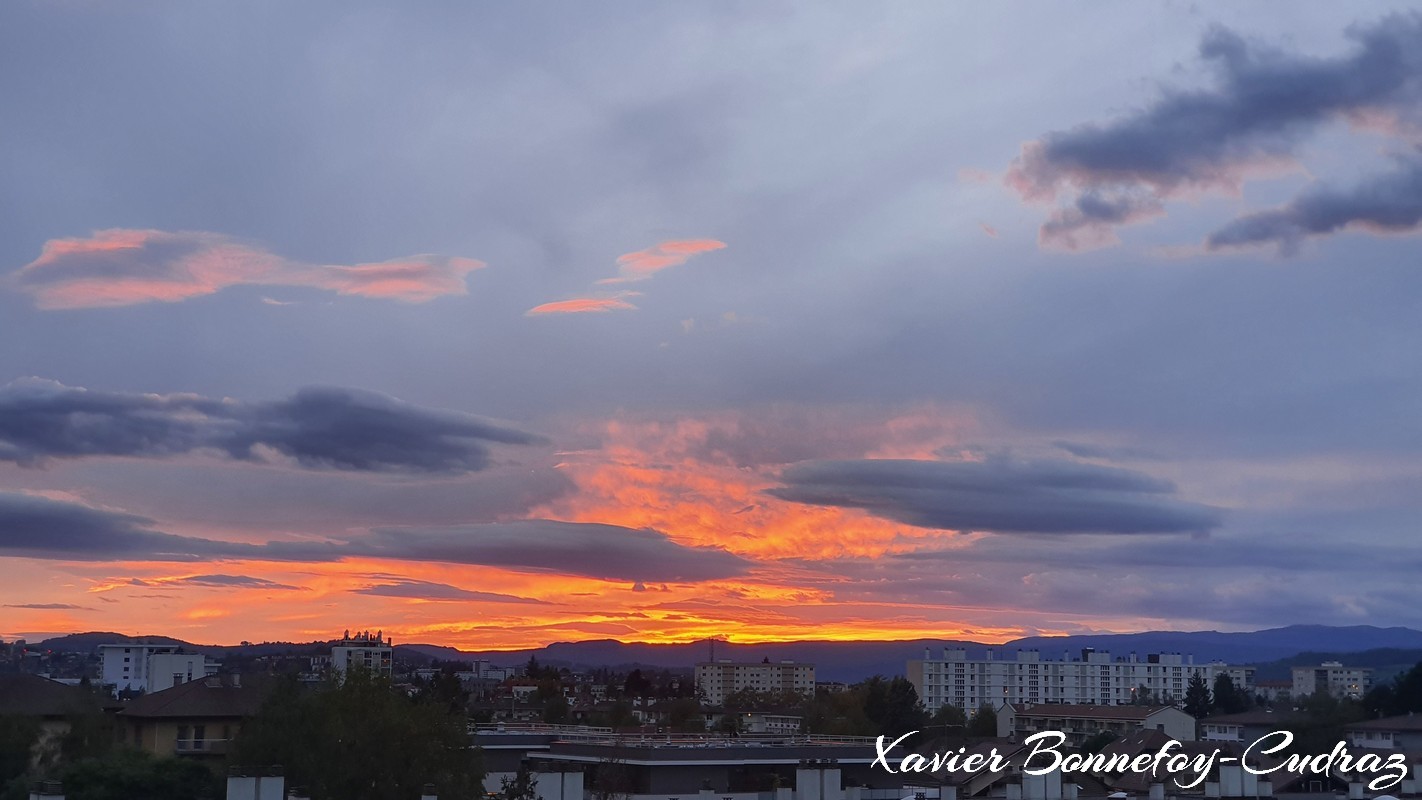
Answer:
(1246, 726)
(1388, 733)
(52, 705)
(198, 718)
(1081, 722)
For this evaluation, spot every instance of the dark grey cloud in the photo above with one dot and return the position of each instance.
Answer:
(39, 527)
(570, 548)
(999, 495)
(1261, 102)
(427, 590)
(49, 606)
(218, 581)
(1390, 202)
(319, 428)
(1106, 452)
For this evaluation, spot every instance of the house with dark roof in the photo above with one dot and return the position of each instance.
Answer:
(1080, 722)
(197, 718)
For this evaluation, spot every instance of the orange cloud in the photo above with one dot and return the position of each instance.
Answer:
(121, 267)
(581, 305)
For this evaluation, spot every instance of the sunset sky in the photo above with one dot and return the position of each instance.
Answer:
(494, 325)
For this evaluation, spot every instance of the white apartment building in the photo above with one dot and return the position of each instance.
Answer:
(1331, 677)
(151, 667)
(719, 679)
(1094, 679)
(364, 650)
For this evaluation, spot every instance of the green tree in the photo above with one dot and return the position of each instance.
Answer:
(1096, 741)
(18, 736)
(522, 786)
(1226, 698)
(893, 706)
(1197, 697)
(127, 774)
(555, 710)
(684, 715)
(357, 737)
(984, 721)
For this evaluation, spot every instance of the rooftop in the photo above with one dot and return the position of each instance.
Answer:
(210, 698)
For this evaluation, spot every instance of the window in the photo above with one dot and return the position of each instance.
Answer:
(199, 737)
(183, 737)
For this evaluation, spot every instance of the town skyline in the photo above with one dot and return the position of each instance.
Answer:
(500, 326)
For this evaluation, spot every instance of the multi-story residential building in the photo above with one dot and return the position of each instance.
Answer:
(1094, 678)
(718, 679)
(365, 650)
(198, 718)
(1331, 677)
(1080, 722)
(140, 667)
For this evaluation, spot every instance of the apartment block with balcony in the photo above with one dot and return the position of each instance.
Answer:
(1094, 678)
(1332, 678)
(720, 679)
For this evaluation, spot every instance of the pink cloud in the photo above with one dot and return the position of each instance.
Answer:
(636, 266)
(121, 267)
(581, 305)
(644, 264)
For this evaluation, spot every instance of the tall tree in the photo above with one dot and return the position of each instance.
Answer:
(984, 721)
(1226, 698)
(1197, 696)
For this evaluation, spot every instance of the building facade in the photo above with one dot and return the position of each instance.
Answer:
(1332, 678)
(1080, 722)
(150, 667)
(364, 650)
(1094, 678)
(720, 679)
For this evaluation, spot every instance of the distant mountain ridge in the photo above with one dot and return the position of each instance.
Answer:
(852, 661)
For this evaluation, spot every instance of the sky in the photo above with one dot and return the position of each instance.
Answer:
(494, 325)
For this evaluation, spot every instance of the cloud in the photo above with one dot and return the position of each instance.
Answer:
(632, 267)
(998, 495)
(49, 606)
(1262, 101)
(121, 267)
(644, 264)
(39, 527)
(218, 581)
(581, 305)
(1390, 202)
(325, 428)
(425, 590)
(591, 549)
